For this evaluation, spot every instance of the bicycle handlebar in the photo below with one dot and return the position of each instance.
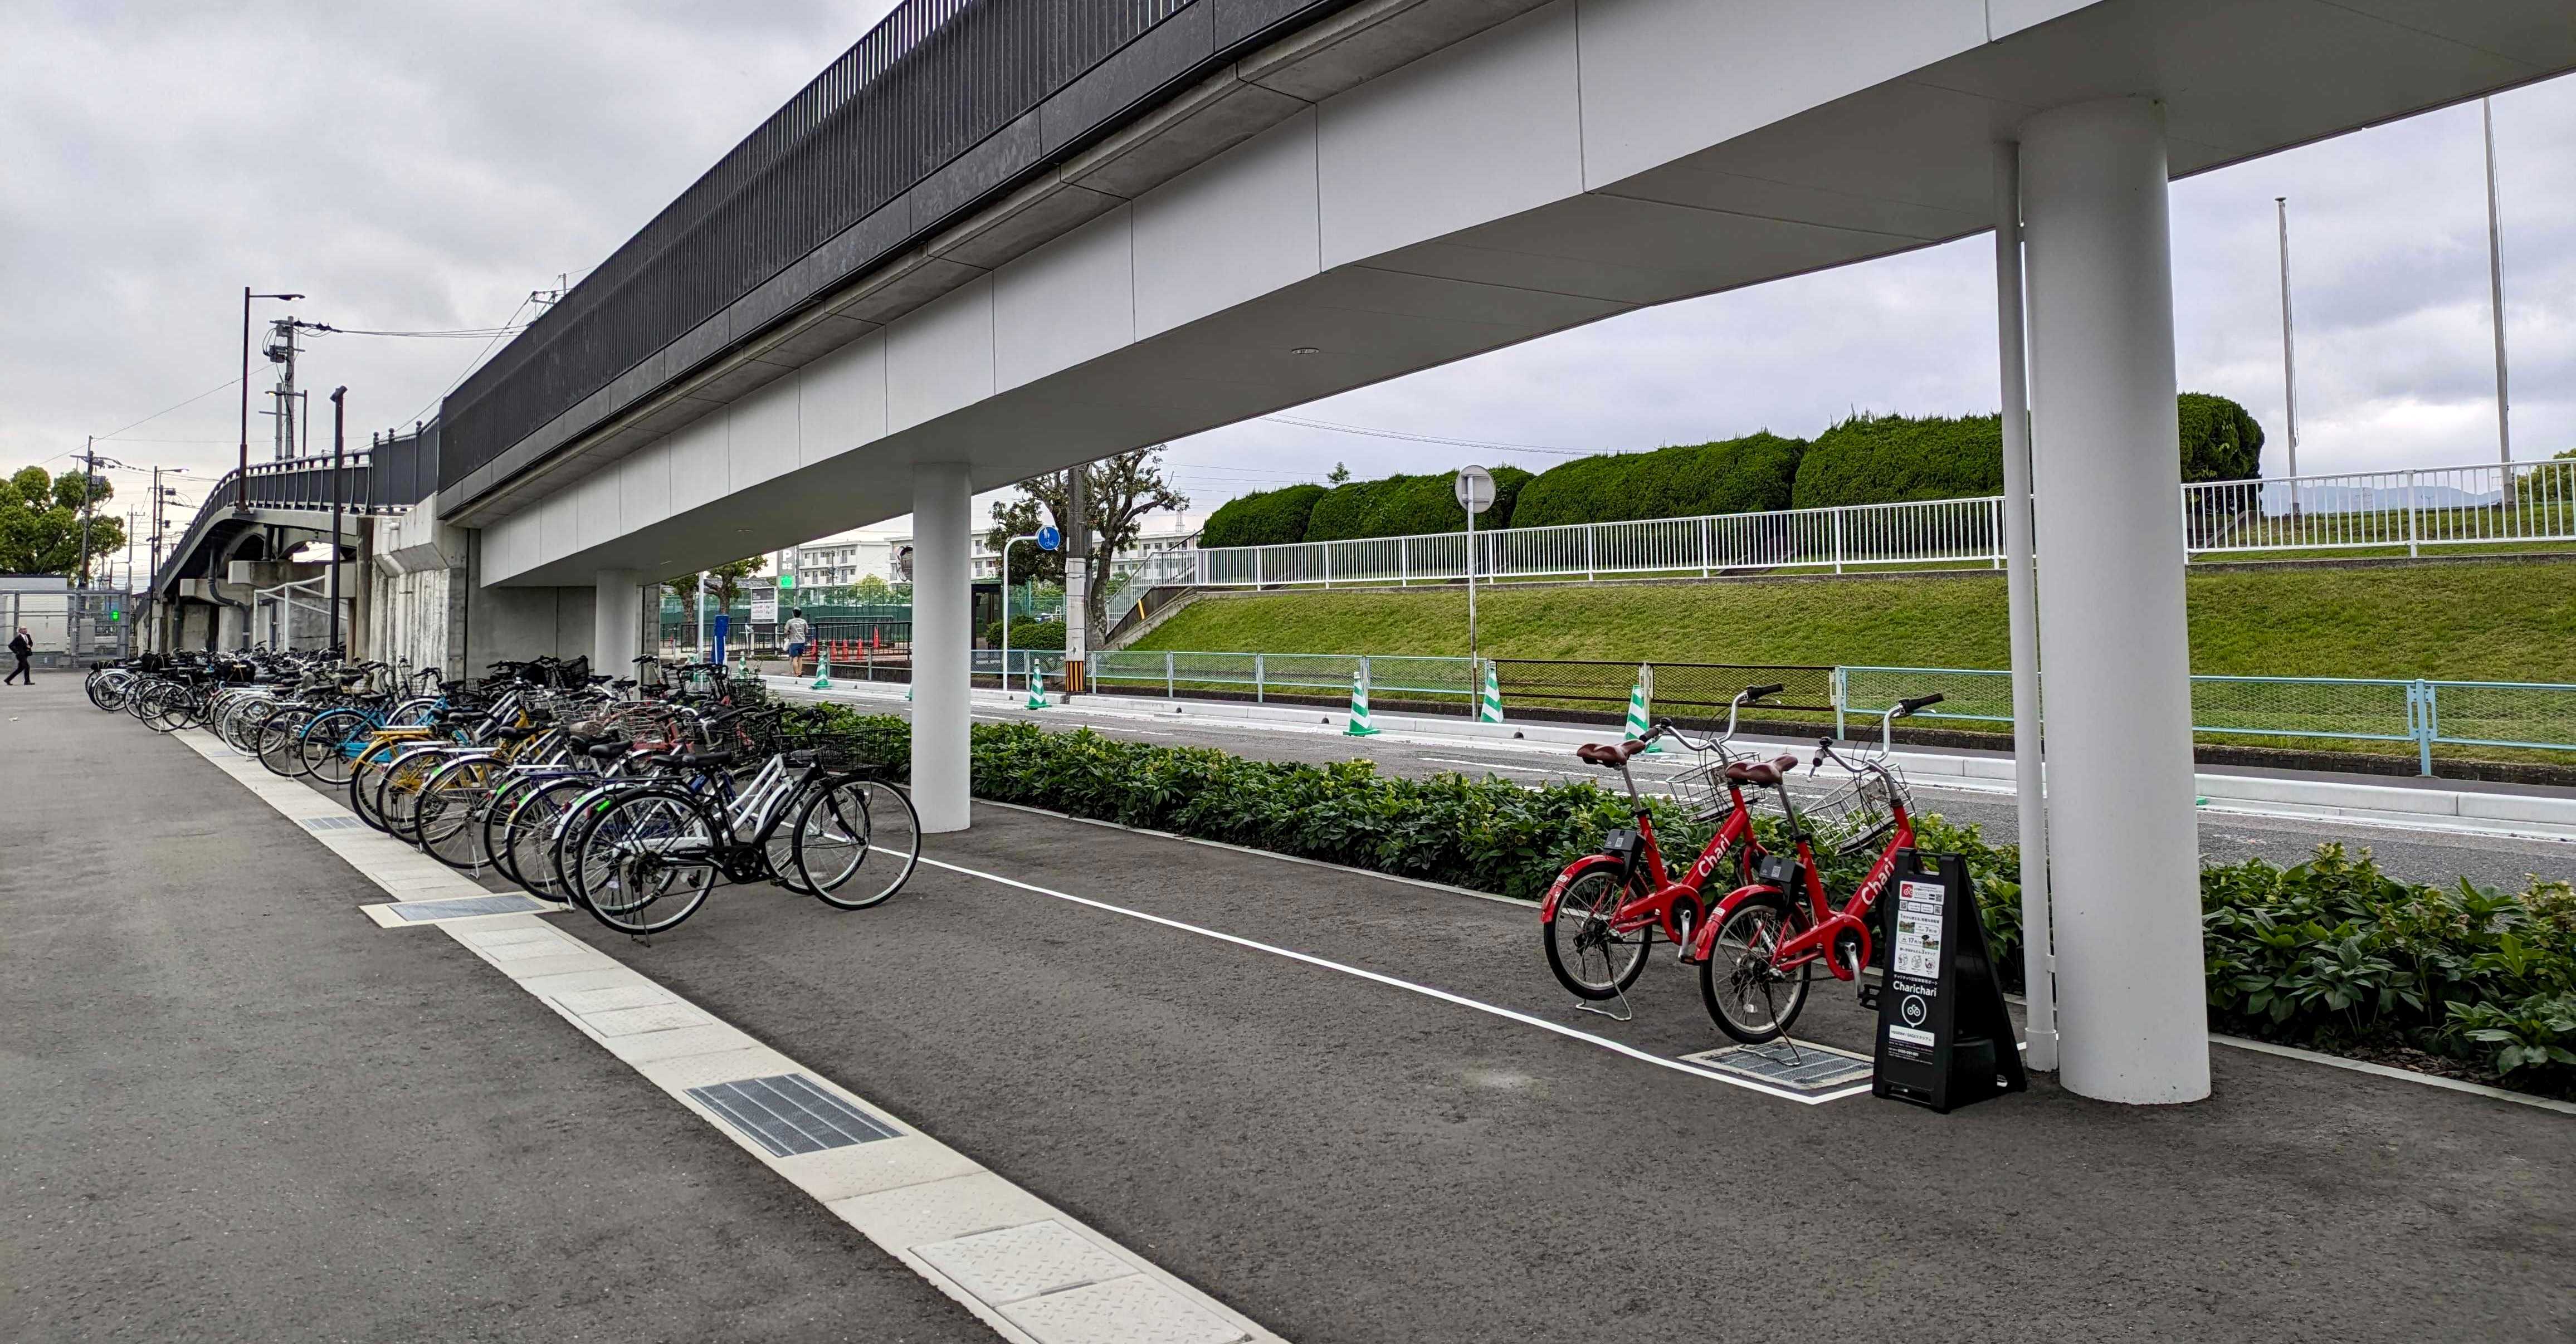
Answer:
(1753, 693)
(1906, 707)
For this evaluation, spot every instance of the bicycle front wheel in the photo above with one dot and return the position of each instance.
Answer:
(1592, 958)
(1750, 999)
(647, 862)
(855, 843)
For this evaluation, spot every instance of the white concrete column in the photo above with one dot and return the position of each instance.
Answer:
(617, 623)
(942, 671)
(2123, 838)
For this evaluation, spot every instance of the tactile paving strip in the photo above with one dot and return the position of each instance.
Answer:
(788, 1114)
(1010, 1264)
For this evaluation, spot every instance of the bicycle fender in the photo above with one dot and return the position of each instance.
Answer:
(1576, 869)
(1704, 939)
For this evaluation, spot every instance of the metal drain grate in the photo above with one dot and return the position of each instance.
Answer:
(332, 823)
(788, 1114)
(1802, 1068)
(465, 906)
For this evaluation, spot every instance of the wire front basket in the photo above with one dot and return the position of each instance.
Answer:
(1857, 813)
(1701, 788)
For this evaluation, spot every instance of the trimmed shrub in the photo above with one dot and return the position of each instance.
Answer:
(1407, 506)
(1028, 633)
(1263, 518)
(1753, 474)
(1888, 459)
(2220, 440)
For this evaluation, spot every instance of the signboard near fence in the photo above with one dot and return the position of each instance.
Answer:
(764, 610)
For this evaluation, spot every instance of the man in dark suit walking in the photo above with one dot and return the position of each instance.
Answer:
(22, 648)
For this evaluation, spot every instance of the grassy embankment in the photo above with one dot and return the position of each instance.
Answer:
(2501, 621)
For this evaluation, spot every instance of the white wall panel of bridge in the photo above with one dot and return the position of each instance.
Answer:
(1581, 160)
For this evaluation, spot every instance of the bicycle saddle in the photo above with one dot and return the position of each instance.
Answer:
(698, 760)
(605, 751)
(1609, 757)
(1758, 772)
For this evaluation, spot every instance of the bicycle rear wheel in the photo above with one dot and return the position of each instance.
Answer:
(855, 843)
(447, 823)
(1749, 999)
(1591, 958)
(328, 744)
(279, 737)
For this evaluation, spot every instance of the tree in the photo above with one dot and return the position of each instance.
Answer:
(1340, 474)
(726, 580)
(40, 522)
(1117, 493)
(871, 590)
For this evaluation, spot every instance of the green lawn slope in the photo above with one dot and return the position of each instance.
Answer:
(2499, 621)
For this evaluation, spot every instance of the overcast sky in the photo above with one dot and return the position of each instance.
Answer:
(426, 167)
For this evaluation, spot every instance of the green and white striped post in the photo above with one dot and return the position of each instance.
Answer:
(823, 665)
(1359, 724)
(1640, 697)
(1037, 698)
(1489, 705)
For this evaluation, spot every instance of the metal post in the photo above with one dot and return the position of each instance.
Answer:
(2021, 595)
(1591, 555)
(1403, 561)
(241, 473)
(1257, 693)
(2427, 725)
(1328, 564)
(1471, 590)
(1168, 692)
(2412, 525)
(1703, 549)
(1838, 539)
(2289, 360)
(339, 458)
(2495, 292)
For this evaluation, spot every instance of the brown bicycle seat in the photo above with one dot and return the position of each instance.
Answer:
(1609, 757)
(1757, 772)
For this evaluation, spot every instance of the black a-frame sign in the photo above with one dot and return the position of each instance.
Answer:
(1944, 1040)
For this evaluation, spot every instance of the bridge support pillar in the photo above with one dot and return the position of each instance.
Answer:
(616, 623)
(942, 644)
(2123, 834)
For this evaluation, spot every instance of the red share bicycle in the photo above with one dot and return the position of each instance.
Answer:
(1757, 952)
(1605, 908)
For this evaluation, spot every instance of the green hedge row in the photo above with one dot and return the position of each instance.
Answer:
(2331, 953)
(1262, 518)
(1748, 475)
(1881, 459)
(1405, 506)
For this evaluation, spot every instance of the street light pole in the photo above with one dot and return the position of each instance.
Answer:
(2495, 290)
(2289, 366)
(339, 446)
(1006, 604)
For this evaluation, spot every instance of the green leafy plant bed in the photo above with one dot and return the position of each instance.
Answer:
(2331, 954)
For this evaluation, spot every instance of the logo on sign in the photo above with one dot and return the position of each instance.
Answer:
(1914, 1011)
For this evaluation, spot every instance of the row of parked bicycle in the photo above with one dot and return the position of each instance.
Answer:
(631, 799)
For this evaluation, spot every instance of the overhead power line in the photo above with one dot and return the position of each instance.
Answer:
(167, 409)
(1430, 438)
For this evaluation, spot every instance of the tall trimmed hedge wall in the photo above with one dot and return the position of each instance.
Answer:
(1747, 475)
(1262, 518)
(1403, 506)
(1883, 459)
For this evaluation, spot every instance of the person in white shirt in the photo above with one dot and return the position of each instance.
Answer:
(795, 635)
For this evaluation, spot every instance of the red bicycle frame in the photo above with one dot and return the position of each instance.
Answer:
(1829, 926)
(1654, 894)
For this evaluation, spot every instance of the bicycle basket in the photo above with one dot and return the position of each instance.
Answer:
(1855, 815)
(1701, 789)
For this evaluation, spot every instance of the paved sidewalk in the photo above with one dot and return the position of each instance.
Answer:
(238, 1110)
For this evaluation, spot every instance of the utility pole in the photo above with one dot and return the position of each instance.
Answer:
(2495, 291)
(339, 413)
(241, 477)
(89, 493)
(133, 533)
(2289, 366)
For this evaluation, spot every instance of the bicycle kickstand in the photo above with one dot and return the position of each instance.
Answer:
(1625, 1013)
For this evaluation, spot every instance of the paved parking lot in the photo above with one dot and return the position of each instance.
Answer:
(1351, 1109)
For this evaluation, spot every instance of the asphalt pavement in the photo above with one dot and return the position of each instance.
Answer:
(1352, 1108)
(237, 1110)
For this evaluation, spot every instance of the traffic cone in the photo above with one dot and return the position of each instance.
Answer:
(823, 667)
(1489, 706)
(1359, 724)
(1637, 726)
(1037, 698)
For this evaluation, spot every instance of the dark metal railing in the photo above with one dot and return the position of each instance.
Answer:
(387, 478)
(933, 81)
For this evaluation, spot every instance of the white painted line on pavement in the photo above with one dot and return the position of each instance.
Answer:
(1392, 982)
(939, 1212)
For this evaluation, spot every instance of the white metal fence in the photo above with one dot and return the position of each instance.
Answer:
(2410, 509)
